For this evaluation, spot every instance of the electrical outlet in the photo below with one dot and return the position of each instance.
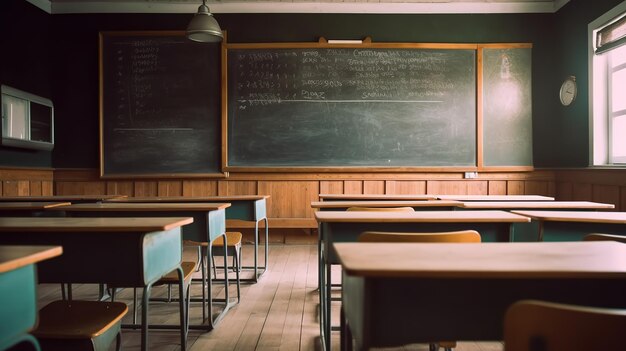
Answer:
(470, 175)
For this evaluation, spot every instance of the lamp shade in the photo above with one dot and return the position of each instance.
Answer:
(203, 27)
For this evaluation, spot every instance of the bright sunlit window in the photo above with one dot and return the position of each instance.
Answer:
(607, 73)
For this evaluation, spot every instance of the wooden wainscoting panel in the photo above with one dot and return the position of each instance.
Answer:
(537, 187)
(47, 187)
(170, 188)
(408, 187)
(238, 187)
(331, 187)
(373, 187)
(607, 194)
(199, 187)
(353, 187)
(146, 188)
(35, 188)
(515, 187)
(1, 187)
(290, 199)
(497, 187)
(582, 192)
(457, 187)
(120, 188)
(80, 188)
(16, 188)
(478, 187)
(564, 191)
(622, 202)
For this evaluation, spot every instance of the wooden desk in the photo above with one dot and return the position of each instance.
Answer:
(461, 291)
(209, 223)
(18, 291)
(243, 207)
(133, 252)
(342, 226)
(418, 205)
(495, 197)
(76, 199)
(543, 205)
(27, 208)
(574, 225)
(375, 197)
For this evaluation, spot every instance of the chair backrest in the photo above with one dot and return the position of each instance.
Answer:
(463, 236)
(604, 237)
(391, 209)
(531, 325)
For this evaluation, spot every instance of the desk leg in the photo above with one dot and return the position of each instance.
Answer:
(259, 270)
(144, 317)
(328, 299)
(540, 238)
(321, 286)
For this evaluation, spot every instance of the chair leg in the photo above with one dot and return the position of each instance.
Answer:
(118, 342)
(183, 313)
(204, 283)
(144, 317)
(433, 347)
(237, 266)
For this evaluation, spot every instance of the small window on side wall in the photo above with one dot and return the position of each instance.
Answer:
(27, 120)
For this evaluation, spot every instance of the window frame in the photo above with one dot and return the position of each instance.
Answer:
(600, 123)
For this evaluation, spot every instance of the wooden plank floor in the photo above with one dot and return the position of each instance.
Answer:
(280, 312)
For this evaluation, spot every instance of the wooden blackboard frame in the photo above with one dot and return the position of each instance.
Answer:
(172, 172)
(367, 43)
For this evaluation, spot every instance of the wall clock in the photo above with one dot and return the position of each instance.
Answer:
(568, 91)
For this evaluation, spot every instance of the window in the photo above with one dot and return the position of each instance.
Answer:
(607, 70)
(27, 120)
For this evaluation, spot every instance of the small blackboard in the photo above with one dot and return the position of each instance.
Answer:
(316, 107)
(507, 102)
(157, 118)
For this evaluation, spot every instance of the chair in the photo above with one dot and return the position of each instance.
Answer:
(464, 236)
(604, 237)
(169, 279)
(531, 325)
(80, 325)
(233, 249)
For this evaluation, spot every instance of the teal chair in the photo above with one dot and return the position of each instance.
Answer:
(80, 325)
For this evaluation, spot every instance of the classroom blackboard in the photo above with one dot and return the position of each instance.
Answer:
(317, 107)
(507, 102)
(157, 118)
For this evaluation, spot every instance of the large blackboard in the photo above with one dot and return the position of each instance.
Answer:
(157, 117)
(351, 107)
(507, 102)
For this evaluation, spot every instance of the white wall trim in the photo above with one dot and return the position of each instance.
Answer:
(77, 7)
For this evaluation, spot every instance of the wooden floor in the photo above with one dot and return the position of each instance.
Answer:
(280, 312)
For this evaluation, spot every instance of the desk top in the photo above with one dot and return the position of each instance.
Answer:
(495, 197)
(17, 256)
(110, 224)
(145, 207)
(576, 216)
(535, 204)
(420, 216)
(192, 198)
(69, 198)
(26, 205)
(373, 197)
(390, 203)
(486, 260)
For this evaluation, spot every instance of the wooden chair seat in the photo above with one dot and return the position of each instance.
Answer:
(75, 325)
(604, 237)
(463, 236)
(172, 277)
(234, 240)
(538, 325)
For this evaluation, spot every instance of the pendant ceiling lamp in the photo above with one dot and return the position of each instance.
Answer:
(203, 26)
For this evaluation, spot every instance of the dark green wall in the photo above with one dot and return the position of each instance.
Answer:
(25, 33)
(563, 138)
(559, 49)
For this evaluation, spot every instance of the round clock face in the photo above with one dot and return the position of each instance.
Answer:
(568, 91)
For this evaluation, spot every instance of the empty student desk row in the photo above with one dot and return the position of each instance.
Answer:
(462, 291)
